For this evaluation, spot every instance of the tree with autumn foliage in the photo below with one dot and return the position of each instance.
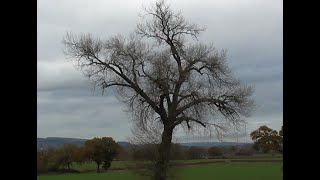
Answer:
(45, 160)
(66, 154)
(80, 155)
(267, 139)
(101, 151)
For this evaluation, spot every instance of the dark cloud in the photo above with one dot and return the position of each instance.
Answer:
(250, 30)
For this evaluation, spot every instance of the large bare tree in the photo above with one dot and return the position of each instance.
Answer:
(174, 80)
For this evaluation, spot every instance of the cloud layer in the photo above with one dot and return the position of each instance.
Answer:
(251, 31)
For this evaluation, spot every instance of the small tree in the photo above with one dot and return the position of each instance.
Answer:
(66, 154)
(101, 150)
(267, 138)
(80, 155)
(111, 150)
(46, 159)
(214, 151)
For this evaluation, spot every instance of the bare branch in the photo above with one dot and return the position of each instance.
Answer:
(173, 82)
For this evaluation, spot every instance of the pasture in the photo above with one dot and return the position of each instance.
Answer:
(217, 171)
(119, 165)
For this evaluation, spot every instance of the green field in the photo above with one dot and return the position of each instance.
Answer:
(91, 166)
(219, 171)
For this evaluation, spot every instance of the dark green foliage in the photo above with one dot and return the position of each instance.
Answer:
(268, 139)
(102, 151)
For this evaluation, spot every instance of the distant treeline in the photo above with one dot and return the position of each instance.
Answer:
(60, 141)
(104, 150)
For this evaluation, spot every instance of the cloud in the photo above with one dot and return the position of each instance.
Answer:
(57, 114)
(242, 134)
(251, 31)
(53, 75)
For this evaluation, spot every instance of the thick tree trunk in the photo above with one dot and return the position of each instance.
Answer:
(164, 154)
(68, 166)
(98, 167)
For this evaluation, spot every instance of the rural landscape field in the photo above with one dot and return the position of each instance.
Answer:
(159, 90)
(206, 160)
(223, 171)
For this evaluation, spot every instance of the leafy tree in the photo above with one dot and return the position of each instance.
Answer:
(169, 80)
(80, 155)
(111, 151)
(267, 138)
(101, 151)
(214, 151)
(65, 155)
(45, 159)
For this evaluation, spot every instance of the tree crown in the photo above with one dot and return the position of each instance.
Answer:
(175, 80)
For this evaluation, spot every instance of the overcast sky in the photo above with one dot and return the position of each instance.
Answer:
(251, 31)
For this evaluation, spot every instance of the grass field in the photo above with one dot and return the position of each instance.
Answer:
(91, 166)
(220, 171)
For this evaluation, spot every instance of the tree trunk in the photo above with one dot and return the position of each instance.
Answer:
(98, 167)
(164, 154)
(68, 166)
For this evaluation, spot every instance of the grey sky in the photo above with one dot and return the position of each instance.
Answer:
(251, 31)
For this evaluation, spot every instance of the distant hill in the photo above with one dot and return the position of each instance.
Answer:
(210, 144)
(59, 141)
(123, 143)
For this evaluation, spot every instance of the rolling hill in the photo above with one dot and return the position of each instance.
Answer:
(59, 141)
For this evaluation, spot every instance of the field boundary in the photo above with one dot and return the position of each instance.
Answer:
(177, 164)
(204, 163)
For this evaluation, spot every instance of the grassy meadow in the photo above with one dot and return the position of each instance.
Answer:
(217, 171)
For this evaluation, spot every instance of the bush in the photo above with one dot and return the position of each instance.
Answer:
(196, 153)
(245, 152)
(63, 170)
(214, 151)
(53, 168)
(68, 170)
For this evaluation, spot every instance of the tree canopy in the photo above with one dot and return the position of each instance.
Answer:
(267, 138)
(101, 151)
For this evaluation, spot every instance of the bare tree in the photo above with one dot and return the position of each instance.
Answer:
(172, 81)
